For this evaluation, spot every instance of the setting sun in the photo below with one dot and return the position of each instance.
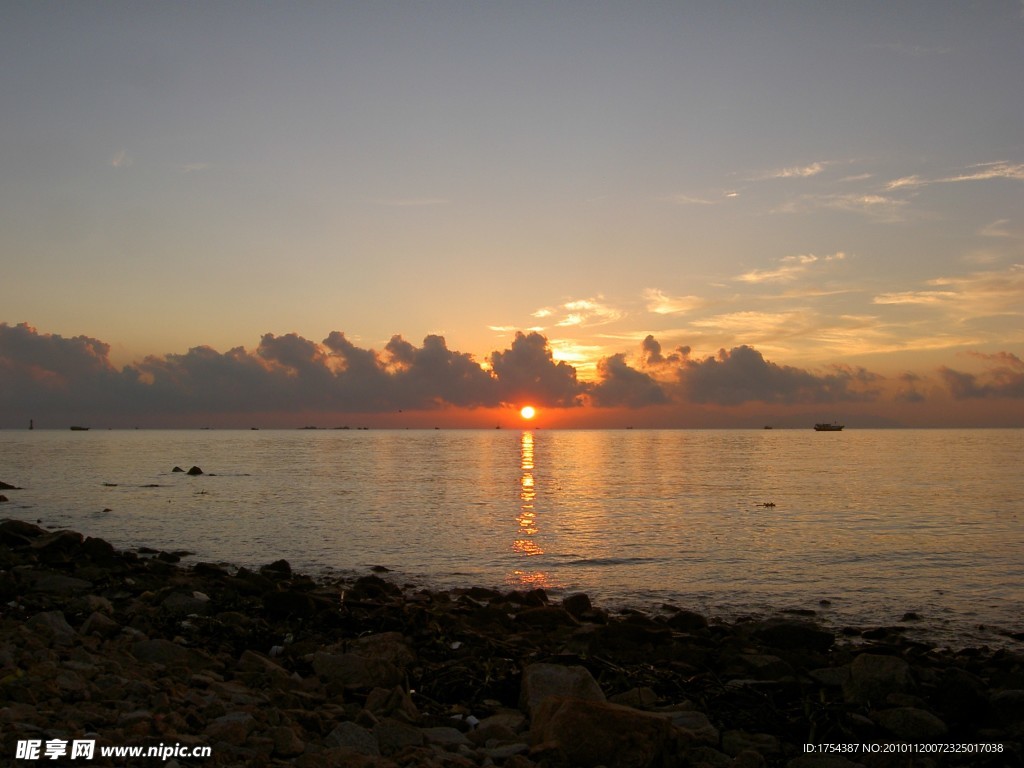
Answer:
(528, 412)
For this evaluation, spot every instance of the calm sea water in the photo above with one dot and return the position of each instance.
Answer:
(875, 522)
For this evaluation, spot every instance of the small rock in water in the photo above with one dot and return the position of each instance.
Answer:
(194, 470)
(177, 469)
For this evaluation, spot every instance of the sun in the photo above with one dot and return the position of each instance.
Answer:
(528, 412)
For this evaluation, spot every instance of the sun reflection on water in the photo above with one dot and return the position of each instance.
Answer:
(525, 545)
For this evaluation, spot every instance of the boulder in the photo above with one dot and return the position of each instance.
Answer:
(687, 621)
(591, 733)
(910, 723)
(53, 626)
(541, 681)
(353, 737)
(790, 634)
(194, 471)
(874, 676)
(577, 604)
(351, 670)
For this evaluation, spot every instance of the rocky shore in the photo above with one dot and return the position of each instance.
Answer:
(269, 667)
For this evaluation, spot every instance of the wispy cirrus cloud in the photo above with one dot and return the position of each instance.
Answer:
(660, 303)
(121, 159)
(968, 298)
(793, 172)
(979, 172)
(789, 268)
(877, 206)
(580, 312)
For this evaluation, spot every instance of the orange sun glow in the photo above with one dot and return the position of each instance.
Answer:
(528, 412)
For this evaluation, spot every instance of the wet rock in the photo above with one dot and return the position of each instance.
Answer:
(3, 498)
(577, 604)
(874, 676)
(546, 616)
(279, 569)
(543, 680)
(790, 634)
(194, 470)
(687, 621)
(8, 487)
(592, 733)
(58, 546)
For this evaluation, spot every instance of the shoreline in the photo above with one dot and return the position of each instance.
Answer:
(272, 667)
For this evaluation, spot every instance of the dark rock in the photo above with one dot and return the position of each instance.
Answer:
(21, 528)
(57, 545)
(910, 723)
(8, 487)
(53, 626)
(279, 569)
(792, 634)
(687, 621)
(3, 498)
(177, 469)
(1008, 706)
(541, 681)
(288, 603)
(194, 471)
(592, 733)
(577, 604)
(873, 677)
(546, 616)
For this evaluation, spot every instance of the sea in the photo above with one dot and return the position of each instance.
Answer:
(917, 529)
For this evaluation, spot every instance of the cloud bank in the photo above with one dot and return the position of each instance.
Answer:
(42, 373)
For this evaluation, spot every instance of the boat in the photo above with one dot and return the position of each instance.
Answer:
(833, 427)
(79, 429)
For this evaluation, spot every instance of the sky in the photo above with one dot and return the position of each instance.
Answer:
(698, 214)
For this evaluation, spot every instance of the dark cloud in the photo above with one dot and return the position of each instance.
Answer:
(434, 375)
(742, 375)
(1004, 378)
(47, 373)
(621, 385)
(38, 369)
(908, 389)
(527, 372)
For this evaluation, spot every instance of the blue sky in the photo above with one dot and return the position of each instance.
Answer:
(830, 183)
